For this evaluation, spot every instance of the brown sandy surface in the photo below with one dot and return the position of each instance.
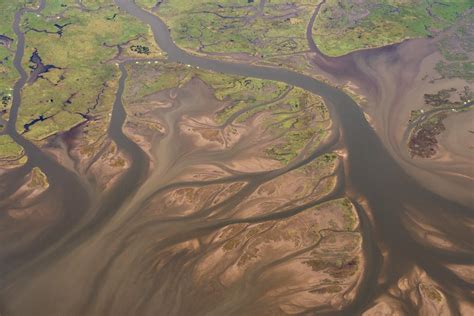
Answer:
(217, 226)
(458, 139)
(424, 295)
(389, 83)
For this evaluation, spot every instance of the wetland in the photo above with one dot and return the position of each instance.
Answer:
(193, 184)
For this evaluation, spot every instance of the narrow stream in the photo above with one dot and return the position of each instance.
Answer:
(64, 184)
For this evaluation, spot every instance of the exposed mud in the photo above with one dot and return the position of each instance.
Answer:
(174, 213)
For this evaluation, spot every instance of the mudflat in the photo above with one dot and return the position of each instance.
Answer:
(230, 159)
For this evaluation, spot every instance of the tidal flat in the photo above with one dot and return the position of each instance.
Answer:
(146, 170)
(249, 191)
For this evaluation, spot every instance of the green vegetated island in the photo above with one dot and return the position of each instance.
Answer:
(297, 120)
(269, 29)
(70, 48)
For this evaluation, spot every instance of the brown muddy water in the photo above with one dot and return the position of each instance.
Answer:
(95, 260)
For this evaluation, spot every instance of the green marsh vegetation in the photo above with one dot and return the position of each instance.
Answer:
(345, 26)
(229, 26)
(303, 118)
(9, 150)
(81, 43)
(296, 117)
(38, 179)
(277, 28)
(458, 52)
(8, 41)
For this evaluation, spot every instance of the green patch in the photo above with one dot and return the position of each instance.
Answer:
(8, 41)
(338, 268)
(238, 26)
(298, 117)
(350, 218)
(450, 70)
(147, 4)
(9, 149)
(152, 78)
(82, 84)
(38, 179)
(342, 27)
(278, 28)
